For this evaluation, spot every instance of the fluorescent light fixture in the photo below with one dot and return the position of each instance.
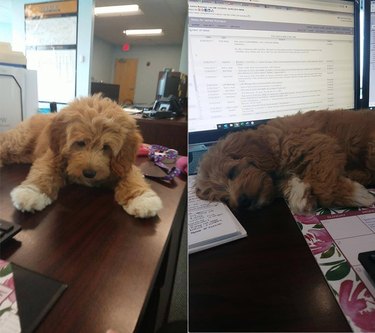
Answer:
(143, 32)
(114, 10)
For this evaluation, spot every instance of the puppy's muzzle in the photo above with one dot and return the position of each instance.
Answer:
(89, 173)
(244, 201)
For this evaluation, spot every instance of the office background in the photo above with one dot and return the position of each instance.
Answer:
(96, 56)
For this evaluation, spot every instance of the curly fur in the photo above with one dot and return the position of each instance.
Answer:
(320, 158)
(91, 142)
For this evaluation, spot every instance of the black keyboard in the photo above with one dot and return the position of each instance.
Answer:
(7, 230)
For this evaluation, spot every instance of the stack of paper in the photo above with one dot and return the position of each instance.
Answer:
(210, 223)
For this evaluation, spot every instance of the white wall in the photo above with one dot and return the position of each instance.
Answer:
(158, 57)
(102, 65)
(84, 46)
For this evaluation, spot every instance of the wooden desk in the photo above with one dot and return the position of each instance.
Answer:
(268, 281)
(110, 260)
(171, 133)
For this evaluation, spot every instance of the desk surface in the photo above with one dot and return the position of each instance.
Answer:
(166, 132)
(268, 281)
(108, 259)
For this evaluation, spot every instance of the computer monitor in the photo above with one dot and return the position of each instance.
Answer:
(109, 90)
(254, 60)
(368, 86)
(171, 83)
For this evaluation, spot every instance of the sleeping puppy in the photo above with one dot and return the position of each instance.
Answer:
(318, 158)
(91, 142)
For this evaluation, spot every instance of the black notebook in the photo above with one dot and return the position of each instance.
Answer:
(367, 260)
(36, 294)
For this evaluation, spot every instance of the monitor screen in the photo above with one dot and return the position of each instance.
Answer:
(254, 60)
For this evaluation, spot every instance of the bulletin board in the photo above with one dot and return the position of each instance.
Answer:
(51, 48)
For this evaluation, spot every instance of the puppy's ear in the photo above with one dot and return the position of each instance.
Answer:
(57, 133)
(122, 162)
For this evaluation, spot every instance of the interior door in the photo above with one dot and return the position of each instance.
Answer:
(126, 76)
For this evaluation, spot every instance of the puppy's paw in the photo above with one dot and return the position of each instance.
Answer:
(362, 197)
(28, 198)
(146, 205)
(299, 197)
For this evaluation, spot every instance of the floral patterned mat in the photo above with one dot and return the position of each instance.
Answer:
(354, 298)
(9, 320)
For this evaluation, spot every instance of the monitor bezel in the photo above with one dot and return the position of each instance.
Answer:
(366, 54)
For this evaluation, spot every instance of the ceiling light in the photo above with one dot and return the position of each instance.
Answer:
(143, 32)
(113, 10)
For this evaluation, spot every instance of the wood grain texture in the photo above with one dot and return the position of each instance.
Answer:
(268, 281)
(171, 133)
(109, 260)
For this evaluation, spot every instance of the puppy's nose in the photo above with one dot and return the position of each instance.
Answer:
(244, 201)
(88, 173)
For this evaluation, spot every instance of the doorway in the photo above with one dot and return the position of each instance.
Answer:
(126, 76)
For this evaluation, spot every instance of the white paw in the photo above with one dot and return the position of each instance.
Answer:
(146, 205)
(362, 197)
(28, 198)
(299, 197)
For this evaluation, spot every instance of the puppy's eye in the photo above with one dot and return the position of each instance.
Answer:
(106, 147)
(81, 144)
(232, 173)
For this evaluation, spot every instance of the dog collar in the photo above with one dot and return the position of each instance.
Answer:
(160, 155)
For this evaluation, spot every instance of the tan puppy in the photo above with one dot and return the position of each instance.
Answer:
(317, 158)
(91, 142)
